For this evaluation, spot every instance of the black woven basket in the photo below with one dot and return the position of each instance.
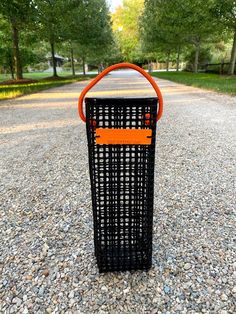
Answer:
(122, 181)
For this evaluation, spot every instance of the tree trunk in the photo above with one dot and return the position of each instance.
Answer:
(83, 61)
(72, 61)
(16, 53)
(195, 68)
(167, 61)
(222, 67)
(178, 57)
(157, 65)
(54, 66)
(10, 64)
(12, 71)
(233, 56)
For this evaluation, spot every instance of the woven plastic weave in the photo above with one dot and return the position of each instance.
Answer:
(122, 183)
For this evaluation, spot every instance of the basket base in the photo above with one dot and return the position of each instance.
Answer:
(123, 259)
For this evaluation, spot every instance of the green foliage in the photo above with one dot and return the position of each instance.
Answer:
(161, 28)
(126, 29)
(84, 25)
(30, 52)
(219, 69)
(225, 11)
(144, 30)
(214, 82)
(67, 66)
(89, 28)
(205, 56)
(19, 14)
(170, 25)
(42, 66)
(6, 60)
(49, 19)
(112, 56)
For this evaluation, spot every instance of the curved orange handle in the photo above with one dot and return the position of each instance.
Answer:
(114, 67)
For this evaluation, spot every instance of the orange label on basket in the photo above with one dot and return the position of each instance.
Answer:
(123, 136)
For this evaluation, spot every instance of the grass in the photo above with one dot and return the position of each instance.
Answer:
(14, 90)
(35, 75)
(215, 82)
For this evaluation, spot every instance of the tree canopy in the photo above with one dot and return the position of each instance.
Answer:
(86, 24)
(126, 28)
(225, 11)
(18, 14)
(169, 25)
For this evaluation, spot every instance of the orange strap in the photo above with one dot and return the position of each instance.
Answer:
(114, 67)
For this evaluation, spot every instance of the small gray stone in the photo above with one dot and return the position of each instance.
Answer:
(126, 290)
(13, 309)
(41, 291)
(187, 266)
(5, 282)
(17, 301)
(234, 291)
(224, 297)
(104, 289)
(167, 289)
(71, 294)
(25, 297)
(223, 312)
(25, 311)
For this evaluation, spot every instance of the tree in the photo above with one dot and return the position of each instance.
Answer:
(30, 51)
(201, 25)
(174, 23)
(225, 11)
(18, 13)
(89, 30)
(51, 23)
(162, 30)
(126, 28)
(6, 51)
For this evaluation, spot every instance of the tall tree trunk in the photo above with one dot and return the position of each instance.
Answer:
(195, 68)
(157, 65)
(72, 61)
(54, 66)
(167, 61)
(222, 67)
(12, 70)
(16, 53)
(83, 61)
(177, 60)
(10, 63)
(233, 56)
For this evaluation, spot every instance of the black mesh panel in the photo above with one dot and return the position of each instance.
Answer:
(122, 179)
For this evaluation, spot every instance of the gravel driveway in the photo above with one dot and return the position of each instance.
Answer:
(47, 263)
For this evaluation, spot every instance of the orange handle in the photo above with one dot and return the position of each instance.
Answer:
(114, 67)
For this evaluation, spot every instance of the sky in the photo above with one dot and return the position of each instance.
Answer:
(114, 3)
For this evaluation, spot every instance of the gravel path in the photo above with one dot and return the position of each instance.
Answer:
(46, 241)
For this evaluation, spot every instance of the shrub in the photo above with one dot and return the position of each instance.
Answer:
(67, 66)
(42, 66)
(204, 57)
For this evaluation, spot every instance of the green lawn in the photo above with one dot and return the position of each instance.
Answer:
(218, 83)
(15, 90)
(34, 75)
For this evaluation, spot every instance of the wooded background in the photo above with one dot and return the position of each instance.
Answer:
(193, 32)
